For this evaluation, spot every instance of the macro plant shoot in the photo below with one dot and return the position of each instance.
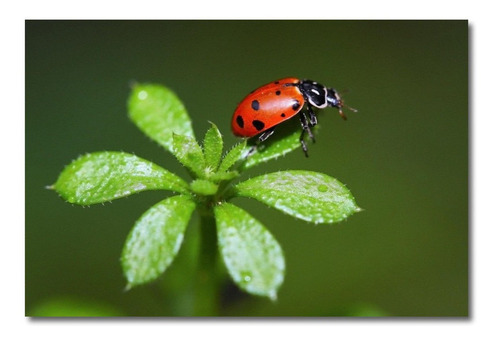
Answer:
(228, 235)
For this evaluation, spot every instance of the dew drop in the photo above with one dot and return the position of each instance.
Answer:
(142, 95)
(322, 188)
(246, 277)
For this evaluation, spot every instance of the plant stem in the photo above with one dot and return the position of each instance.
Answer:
(206, 288)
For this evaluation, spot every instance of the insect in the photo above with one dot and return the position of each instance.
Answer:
(268, 106)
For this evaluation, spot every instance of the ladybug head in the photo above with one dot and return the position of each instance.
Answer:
(334, 100)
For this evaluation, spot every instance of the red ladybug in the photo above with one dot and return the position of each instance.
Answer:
(278, 101)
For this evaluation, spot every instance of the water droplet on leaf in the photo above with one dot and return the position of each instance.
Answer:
(143, 95)
(246, 277)
(322, 188)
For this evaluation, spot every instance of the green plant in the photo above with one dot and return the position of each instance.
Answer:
(252, 256)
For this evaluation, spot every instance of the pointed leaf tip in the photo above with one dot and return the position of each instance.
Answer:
(158, 112)
(189, 153)
(252, 256)
(235, 154)
(212, 147)
(310, 196)
(103, 176)
(156, 238)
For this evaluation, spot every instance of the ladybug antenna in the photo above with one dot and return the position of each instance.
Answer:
(354, 110)
(342, 113)
(342, 105)
(335, 100)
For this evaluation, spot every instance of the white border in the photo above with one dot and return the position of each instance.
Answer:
(484, 194)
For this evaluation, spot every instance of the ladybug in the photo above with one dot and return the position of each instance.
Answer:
(268, 106)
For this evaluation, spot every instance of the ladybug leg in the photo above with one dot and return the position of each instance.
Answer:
(303, 143)
(312, 116)
(266, 134)
(305, 128)
(260, 139)
(313, 120)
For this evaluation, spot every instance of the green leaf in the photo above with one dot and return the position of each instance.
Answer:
(235, 154)
(158, 112)
(104, 176)
(189, 154)
(307, 195)
(222, 176)
(276, 146)
(203, 187)
(252, 256)
(213, 146)
(155, 239)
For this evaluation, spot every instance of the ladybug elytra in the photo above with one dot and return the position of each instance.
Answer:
(266, 107)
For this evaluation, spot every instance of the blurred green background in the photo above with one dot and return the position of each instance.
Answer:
(404, 156)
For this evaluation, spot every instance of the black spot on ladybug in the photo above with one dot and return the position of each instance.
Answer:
(239, 121)
(255, 105)
(259, 125)
(283, 115)
(277, 82)
(296, 105)
(278, 93)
